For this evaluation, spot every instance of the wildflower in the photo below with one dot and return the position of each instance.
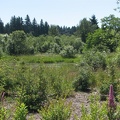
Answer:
(111, 97)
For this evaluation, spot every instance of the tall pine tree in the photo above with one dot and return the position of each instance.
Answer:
(42, 27)
(35, 30)
(1, 26)
(27, 24)
(46, 28)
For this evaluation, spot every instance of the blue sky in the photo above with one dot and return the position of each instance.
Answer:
(57, 12)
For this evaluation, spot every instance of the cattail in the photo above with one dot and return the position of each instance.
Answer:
(111, 97)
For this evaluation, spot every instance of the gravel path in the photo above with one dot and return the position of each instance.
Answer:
(78, 99)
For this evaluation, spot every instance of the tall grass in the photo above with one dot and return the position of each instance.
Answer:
(41, 58)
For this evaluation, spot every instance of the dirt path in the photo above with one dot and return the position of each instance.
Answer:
(77, 100)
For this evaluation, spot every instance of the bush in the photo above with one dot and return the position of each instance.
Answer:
(21, 112)
(57, 110)
(97, 110)
(61, 86)
(82, 82)
(118, 60)
(95, 59)
(104, 87)
(68, 52)
(3, 113)
(1, 53)
(33, 88)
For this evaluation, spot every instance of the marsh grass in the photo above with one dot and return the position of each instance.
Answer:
(41, 58)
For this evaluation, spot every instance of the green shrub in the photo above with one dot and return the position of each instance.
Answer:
(104, 87)
(32, 89)
(82, 82)
(3, 113)
(68, 52)
(97, 110)
(118, 60)
(1, 53)
(95, 59)
(58, 82)
(61, 87)
(57, 110)
(21, 112)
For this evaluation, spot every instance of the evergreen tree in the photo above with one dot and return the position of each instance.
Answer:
(94, 23)
(19, 23)
(93, 20)
(7, 28)
(27, 24)
(13, 25)
(42, 30)
(35, 27)
(46, 28)
(73, 29)
(1, 26)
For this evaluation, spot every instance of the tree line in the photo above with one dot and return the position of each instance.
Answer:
(43, 28)
(61, 40)
(32, 27)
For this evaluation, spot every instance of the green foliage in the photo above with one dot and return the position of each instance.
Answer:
(68, 52)
(1, 53)
(45, 47)
(97, 111)
(104, 87)
(118, 60)
(57, 110)
(83, 29)
(17, 44)
(103, 40)
(33, 87)
(21, 112)
(3, 113)
(95, 59)
(78, 45)
(61, 86)
(82, 82)
(53, 30)
(111, 22)
(7, 79)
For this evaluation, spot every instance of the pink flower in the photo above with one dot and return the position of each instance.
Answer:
(111, 97)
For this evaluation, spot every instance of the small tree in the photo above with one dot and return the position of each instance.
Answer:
(17, 44)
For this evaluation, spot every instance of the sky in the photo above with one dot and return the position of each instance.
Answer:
(57, 12)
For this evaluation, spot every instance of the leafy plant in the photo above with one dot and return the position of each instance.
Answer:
(97, 110)
(3, 113)
(21, 112)
(82, 82)
(33, 88)
(56, 110)
(95, 59)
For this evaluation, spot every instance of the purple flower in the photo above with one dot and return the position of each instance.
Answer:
(111, 97)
